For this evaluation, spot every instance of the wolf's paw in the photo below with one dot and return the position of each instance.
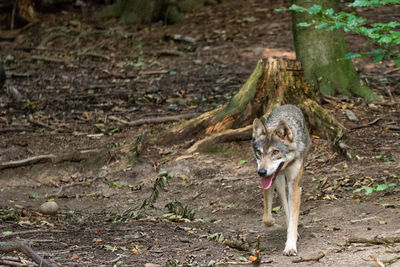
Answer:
(290, 251)
(268, 222)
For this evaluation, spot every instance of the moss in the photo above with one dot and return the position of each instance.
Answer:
(172, 15)
(322, 54)
(223, 148)
(240, 100)
(189, 5)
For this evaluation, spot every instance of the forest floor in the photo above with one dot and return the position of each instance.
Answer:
(81, 80)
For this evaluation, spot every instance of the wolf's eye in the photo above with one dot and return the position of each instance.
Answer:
(258, 153)
(275, 152)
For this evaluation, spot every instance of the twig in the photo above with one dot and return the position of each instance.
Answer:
(375, 240)
(366, 125)
(393, 127)
(32, 231)
(392, 260)
(41, 124)
(170, 53)
(92, 54)
(77, 183)
(390, 94)
(11, 263)
(48, 59)
(310, 259)
(153, 72)
(380, 264)
(10, 258)
(24, 248)
(18, 129)
(363, 219)
(50, 37)
(242, 263)
(390, 71)
(75, 156)
(154, 119)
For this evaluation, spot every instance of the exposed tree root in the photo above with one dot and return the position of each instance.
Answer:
(375, 240)
(74, 156)
(280, 81)
(226, 136)
(24, 248)
(153, 119)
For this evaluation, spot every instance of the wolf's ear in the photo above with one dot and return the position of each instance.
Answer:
(258, 129)
(283, 132)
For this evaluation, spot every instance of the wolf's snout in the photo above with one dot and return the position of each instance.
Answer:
(262, 172)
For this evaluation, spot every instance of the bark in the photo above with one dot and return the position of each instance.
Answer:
(142, 11)
(278, 82)
(134, 11)
(322, 54)
(2, 76)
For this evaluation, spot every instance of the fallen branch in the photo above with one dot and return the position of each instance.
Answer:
(242, 262)
(363, 219)
(153, 119)
(49, 59)
(153, 72)
(75, 184)
(18, 129)
(374, 241)
(225, 136)
(41, 124)
(316, 259)
(74, 156)
(392, 260)
(92, 54)
(366, 125)
(31, 232)
(380, 264)
(24, 248)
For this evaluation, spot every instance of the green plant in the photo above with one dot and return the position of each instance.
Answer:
(386, 158)
(179, 209)
(386, 35)
(375, 188)
(139, 212)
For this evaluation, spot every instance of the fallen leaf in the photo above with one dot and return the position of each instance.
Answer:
(253, 258)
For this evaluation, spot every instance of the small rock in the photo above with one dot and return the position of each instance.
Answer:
(49, 208)
(350, 115)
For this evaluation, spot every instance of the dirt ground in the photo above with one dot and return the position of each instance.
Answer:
(81, 79)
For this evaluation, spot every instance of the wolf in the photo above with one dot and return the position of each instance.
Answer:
(280, 146)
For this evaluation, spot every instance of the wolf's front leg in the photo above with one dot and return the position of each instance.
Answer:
(268, 197)
(295, 172)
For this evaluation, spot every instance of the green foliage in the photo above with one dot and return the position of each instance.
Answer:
(375, 188)
(8, 215)
(386, 158)
(179, 209)
(386, 35)
(140, 211)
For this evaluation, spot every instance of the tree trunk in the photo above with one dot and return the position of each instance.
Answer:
(138, 11)
(322, 54)
(280, 81)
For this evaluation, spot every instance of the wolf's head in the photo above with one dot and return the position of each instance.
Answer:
(272, 147)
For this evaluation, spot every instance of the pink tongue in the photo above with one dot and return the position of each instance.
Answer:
(266, 182)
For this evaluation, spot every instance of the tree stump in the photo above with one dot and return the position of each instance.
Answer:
(280, 81)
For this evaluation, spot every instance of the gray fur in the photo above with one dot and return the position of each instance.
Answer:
(293, 116)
